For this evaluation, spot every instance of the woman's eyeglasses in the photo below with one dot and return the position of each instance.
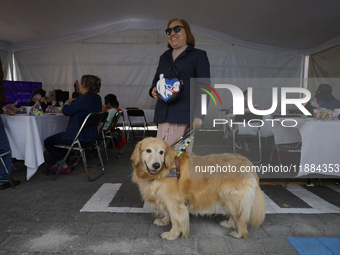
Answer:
(175, 28)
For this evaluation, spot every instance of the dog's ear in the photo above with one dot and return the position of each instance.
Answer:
(169, 158)
(135, 157)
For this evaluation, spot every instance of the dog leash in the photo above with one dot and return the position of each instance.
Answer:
(183, 142)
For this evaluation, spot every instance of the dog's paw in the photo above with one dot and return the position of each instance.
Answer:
(226, 224)
(168, 236)
(235, 234)
(161, 222)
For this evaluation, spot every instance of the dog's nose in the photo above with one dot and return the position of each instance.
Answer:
(156, 166)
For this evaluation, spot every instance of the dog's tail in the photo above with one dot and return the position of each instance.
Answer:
(259, 208)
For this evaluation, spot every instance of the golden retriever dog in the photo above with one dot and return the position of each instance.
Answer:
(237, 194)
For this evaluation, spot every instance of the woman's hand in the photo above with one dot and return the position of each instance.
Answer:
(197, 123)
(154, 93)
(49, 108)
(70, 100)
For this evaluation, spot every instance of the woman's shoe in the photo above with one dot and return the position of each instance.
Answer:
(52, 168)
(7, 185)
(65, 171)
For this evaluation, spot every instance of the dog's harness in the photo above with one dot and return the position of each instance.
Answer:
(180, 146)
(178, 170)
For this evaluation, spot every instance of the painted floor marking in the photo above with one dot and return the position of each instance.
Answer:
(100, 201)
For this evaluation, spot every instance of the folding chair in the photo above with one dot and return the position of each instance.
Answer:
(227, 134)
(108, 134)
(289, 147)
(9, 178)
(92, 120)
(137, 114)
(122, 125)
(255, 131)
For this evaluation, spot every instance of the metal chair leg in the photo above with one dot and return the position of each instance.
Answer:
(280, 163)
(61, 166)
(234, 149)
(14, 167)
(105, 148)
(10, 180)
(83, 155)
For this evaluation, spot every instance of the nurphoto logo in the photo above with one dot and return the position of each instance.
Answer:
(238, 103)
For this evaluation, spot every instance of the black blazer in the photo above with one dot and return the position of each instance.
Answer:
(192, 63)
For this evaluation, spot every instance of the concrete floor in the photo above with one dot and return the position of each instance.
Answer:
(74, 216)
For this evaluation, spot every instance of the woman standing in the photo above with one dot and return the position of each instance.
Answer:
(182, 61)
(77, 108)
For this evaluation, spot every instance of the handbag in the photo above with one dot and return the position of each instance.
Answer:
(170, 90)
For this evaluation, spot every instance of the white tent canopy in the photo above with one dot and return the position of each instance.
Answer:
(57, 41)
(304, 26)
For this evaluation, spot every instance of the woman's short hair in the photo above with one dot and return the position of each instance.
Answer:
(112, 99)
(40, 92)
(189, 36)
(325, 89)
(91, 82)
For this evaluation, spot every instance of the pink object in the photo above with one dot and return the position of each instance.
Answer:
(66, 171)
(52, 168)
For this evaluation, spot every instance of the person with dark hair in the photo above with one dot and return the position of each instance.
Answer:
(182, 61)
(111, 106)
(324, 99)
(77, 109)
(43, 100)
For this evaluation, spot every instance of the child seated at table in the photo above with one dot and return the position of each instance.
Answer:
(111, 106)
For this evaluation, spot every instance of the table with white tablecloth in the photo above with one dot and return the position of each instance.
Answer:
(26, 135)
(320, 143)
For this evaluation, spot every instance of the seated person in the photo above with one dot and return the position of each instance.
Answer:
(77, 109)
(324, 99)
(111, 106)
(44, 101)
